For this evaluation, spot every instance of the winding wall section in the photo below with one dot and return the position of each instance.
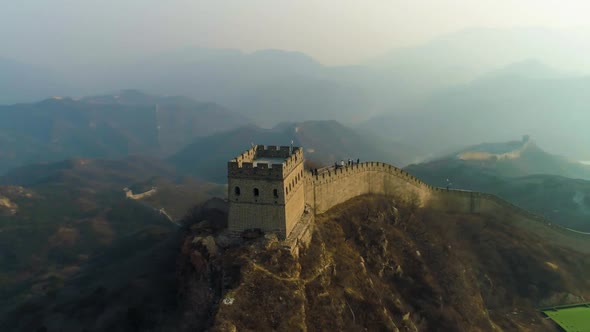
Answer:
(334, 186)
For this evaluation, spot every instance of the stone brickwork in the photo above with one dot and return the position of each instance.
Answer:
(295, 188)
(334, 186)
(265, 189)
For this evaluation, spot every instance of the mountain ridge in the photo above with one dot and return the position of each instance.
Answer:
(325, 142)
(109, 126)
(548, 185)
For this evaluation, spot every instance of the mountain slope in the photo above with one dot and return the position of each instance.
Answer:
(377, 265)
(54, 217)
(268, 86)
(514, 159)
(325, 142)
(521, 173)
(130, 286)
(372, 264)
(105, 127)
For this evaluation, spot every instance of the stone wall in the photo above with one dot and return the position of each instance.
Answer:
(295, 189)
(243, 165)
(279, 202)
(334, 186)
(129, 194)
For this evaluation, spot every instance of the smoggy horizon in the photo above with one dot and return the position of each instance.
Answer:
(332, 32)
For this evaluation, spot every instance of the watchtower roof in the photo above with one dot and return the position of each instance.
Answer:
(266, 161)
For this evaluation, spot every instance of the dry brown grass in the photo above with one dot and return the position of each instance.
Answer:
(376, 265)
(64, 237)
(103, 230)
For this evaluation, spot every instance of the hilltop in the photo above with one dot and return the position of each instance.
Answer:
(373, 263)
(419, 258)
(521, 173)
(376, 264)
(513, 159)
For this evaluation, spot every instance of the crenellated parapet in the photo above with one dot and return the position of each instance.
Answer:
(379, 178)
(246, 156)
(260, 171)
(262, 161)
(330, 174)
(268, 189)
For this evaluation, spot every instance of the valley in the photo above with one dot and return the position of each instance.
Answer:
(55, 217)
(415, 258)
(302, 166)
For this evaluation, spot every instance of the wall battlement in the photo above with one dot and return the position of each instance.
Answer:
(252, 163)
(333, 186)
(329, 174)
(265, 189)
(272, 197)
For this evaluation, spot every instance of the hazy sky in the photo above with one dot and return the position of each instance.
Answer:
(332, 31)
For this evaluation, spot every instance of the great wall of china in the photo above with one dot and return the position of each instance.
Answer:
(334, 186)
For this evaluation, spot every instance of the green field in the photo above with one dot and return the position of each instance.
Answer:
(571, 318)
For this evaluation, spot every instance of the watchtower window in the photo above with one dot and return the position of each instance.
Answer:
(237, 191)
(275, 193)
(256, 192)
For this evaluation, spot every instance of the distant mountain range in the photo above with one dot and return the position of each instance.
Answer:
(272, 86)
(521, 173)
(479, 50)
(91, 188)
(523, 99)
(109, 126)
(70, 237)
(324, 142)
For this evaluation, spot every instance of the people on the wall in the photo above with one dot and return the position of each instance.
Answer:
(346, 163)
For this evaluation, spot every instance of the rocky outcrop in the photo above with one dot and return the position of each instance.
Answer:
(377, 264)
(8, 196)
(7, 207)
(373, 263)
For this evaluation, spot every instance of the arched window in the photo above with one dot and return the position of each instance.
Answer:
(237, 191)
(256, 192)
(287, 190)
(275, 193)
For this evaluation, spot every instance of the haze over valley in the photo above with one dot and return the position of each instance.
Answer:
(255, 166)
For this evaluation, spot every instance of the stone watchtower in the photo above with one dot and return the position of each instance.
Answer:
(265, 189)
